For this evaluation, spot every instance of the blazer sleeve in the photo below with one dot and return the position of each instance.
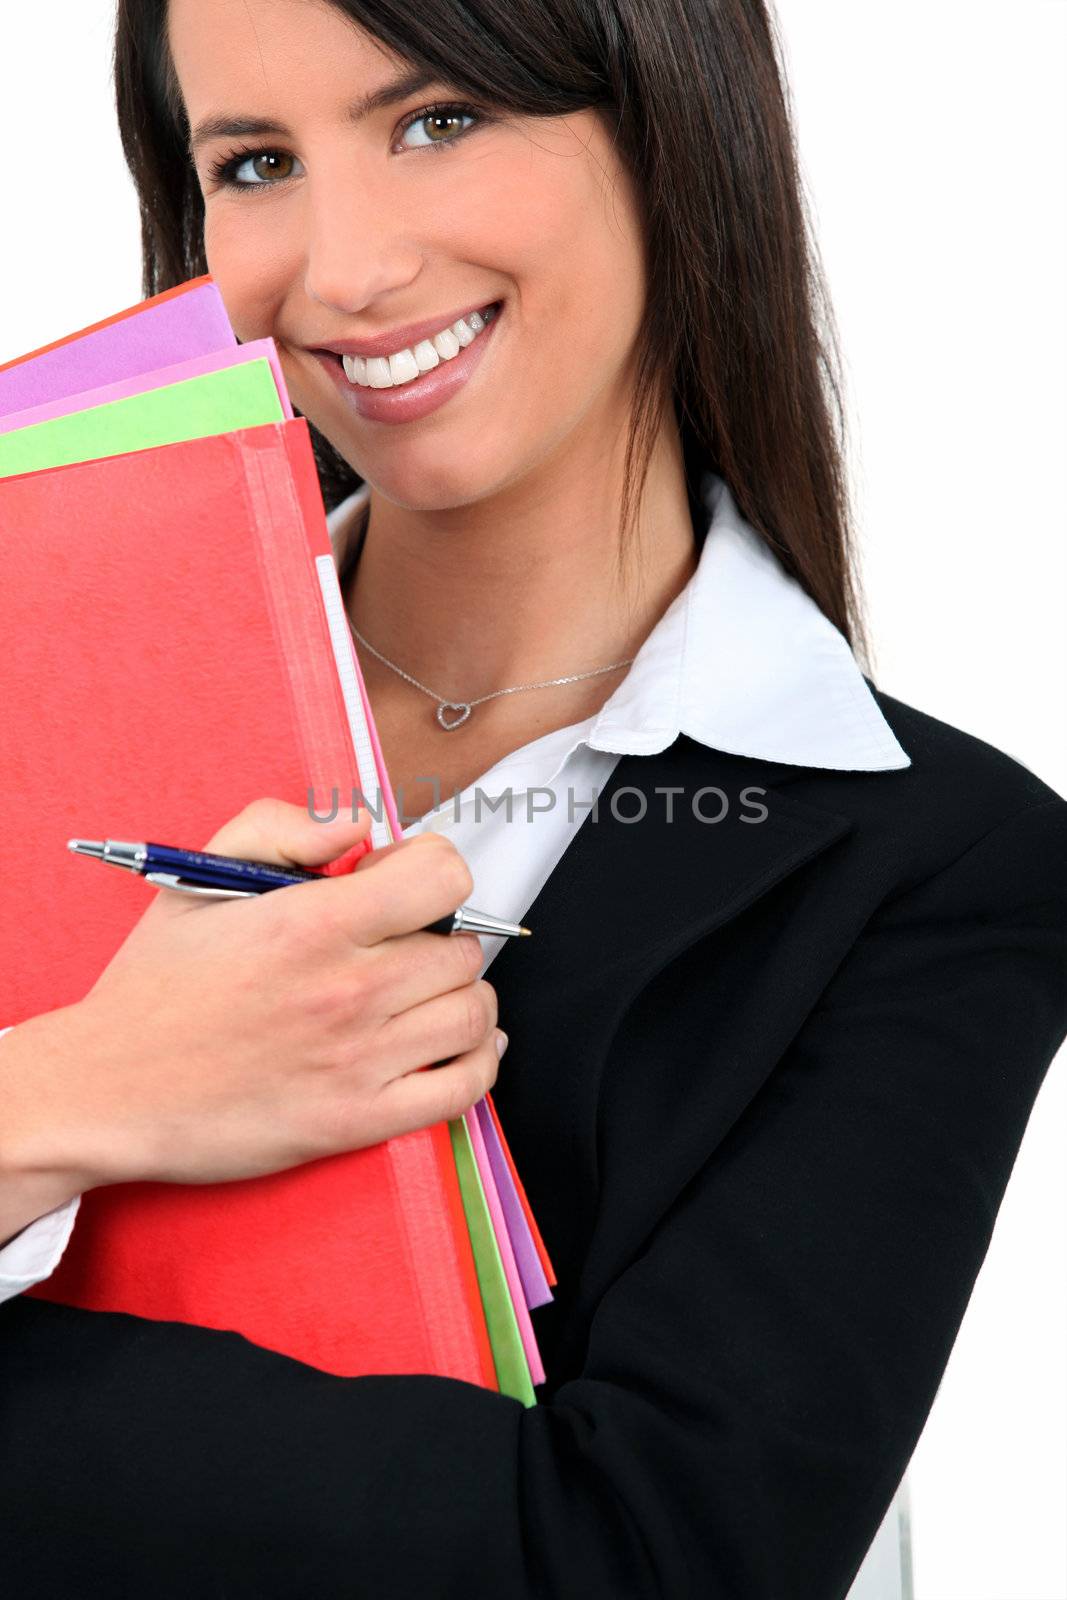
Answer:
(755, 1380)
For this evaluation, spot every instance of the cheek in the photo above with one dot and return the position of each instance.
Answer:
(581, 295)
(573, 233)
(248, 261)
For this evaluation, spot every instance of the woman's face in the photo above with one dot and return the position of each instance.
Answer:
(348, 230)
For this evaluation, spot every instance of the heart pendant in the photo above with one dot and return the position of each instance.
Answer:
(451, 705)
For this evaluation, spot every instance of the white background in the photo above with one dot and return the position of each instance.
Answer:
(933, 139)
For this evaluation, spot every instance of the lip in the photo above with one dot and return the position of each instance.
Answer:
(423, 394)
(405, 338)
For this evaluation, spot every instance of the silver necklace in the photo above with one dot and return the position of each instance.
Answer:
(463, 708)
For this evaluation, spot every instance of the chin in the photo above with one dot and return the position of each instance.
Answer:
(433, 477)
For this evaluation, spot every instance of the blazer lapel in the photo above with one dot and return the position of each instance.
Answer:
(626, 898)
(630, 895)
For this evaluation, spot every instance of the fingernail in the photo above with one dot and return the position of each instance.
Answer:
(501, 1042)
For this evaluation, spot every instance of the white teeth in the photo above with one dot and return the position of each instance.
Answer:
(446, 344)
(403, 367)
(386, 372)
(426, 356)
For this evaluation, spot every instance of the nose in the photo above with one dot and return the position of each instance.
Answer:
(359, 244)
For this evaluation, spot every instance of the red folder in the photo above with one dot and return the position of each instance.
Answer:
(163, 673)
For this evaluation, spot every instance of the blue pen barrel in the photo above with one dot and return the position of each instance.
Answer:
(222, 872)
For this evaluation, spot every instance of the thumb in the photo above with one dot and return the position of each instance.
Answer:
(287, 835)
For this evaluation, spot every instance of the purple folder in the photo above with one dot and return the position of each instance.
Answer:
(234, 357)
(164, 331)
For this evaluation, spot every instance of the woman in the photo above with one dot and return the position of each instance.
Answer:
(799, 974)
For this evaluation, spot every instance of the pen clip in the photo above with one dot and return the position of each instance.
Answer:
(169, 880)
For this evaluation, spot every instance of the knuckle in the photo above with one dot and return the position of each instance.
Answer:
(320, 922)
(466, 880)
(341, 999)
(484, 1067)
(469, 955)
(490, 1001)
(472, 1020)
(450, 870)
(429, 842)
(264, 813)
(475, 1018)
(331, 1000)
(252, 827)
(362, 987)
(455, 1098)
(490, 1065)
(458, 878)
(462, 1091)
(431, 839)
(481, 1010)
(445, 848)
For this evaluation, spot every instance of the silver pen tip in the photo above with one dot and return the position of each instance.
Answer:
(469, 920)
(86, 847)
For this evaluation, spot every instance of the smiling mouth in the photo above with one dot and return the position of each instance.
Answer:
(407, 366)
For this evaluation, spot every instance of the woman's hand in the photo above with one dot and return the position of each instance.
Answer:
(227, 1039)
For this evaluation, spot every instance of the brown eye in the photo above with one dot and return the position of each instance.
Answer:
(437, 125)
(253, 169)
(441, 126)
(270, 164)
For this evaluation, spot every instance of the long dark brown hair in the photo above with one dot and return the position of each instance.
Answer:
(738, 325)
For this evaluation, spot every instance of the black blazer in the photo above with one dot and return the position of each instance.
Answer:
(766, 1084)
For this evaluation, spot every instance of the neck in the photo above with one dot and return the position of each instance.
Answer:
(468, 600)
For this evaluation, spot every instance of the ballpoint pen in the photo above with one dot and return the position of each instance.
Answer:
(230, 878)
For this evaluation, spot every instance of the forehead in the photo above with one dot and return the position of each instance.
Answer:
(263, 51)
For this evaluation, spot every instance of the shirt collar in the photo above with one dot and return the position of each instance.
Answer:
(743, 660)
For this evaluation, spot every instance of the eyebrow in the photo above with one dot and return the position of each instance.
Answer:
(233, 127)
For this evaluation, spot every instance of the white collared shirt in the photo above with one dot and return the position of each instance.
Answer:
(742, 660)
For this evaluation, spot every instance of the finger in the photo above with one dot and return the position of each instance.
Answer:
(288, 835)
(414, 967)
(407, 891)
(446, 1026)
(382, 852)
(422, 1099)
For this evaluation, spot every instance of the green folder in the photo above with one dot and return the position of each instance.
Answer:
(509, 1357)
(241, 396)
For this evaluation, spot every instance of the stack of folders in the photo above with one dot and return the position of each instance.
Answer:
(175, 646)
